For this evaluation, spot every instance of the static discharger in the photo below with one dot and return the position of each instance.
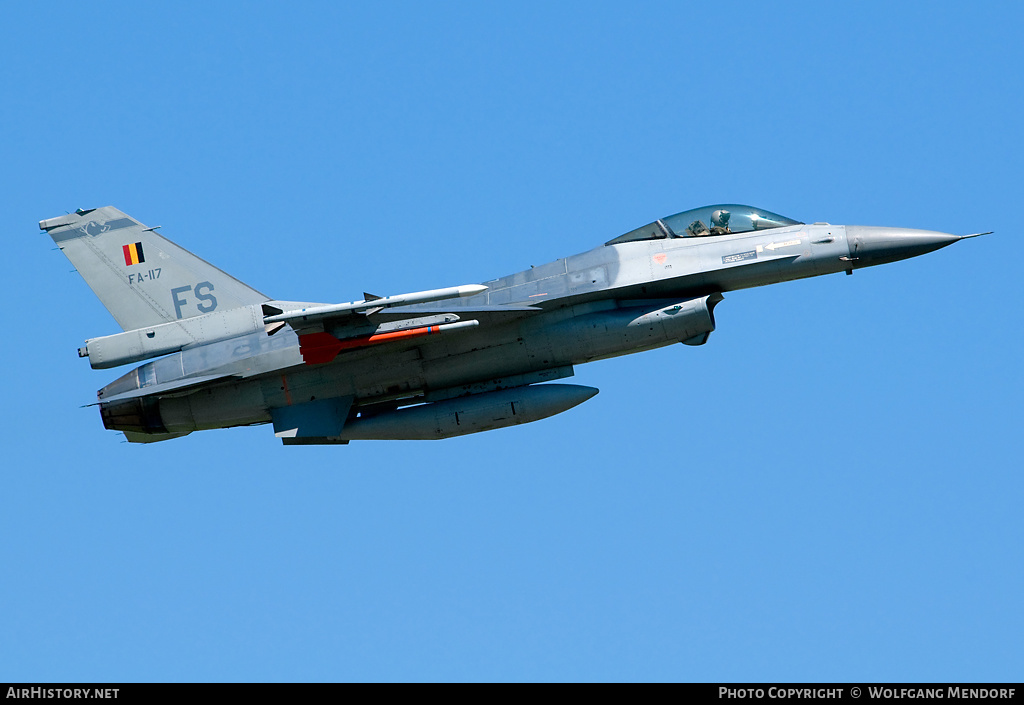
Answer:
(321, 348)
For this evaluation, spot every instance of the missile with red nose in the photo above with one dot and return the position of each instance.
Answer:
(321, 348)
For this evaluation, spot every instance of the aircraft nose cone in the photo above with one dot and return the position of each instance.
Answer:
(871, 245)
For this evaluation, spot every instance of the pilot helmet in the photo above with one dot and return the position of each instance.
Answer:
(720, 218)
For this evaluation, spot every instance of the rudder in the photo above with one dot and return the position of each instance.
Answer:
(142, 278)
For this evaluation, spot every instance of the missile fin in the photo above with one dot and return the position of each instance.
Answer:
(319, 348)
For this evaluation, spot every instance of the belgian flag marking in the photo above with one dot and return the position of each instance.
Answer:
(133, 254)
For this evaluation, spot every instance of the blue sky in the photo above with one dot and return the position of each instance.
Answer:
(830, 489)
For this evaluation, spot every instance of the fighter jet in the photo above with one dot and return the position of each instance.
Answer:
(430, 364)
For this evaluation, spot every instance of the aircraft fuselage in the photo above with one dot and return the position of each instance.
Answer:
(612, 300)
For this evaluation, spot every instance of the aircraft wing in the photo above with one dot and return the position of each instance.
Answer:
(389, 312)
(325, 316)
(325, 330)
(487, 315)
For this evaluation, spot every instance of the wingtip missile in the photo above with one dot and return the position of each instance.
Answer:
(376, 303)
(419, 297)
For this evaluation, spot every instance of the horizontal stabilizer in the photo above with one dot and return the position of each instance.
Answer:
(177, 385)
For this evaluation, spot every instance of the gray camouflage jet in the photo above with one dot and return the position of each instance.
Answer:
(431, 364)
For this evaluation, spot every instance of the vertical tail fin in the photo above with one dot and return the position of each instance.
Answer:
(143, 279)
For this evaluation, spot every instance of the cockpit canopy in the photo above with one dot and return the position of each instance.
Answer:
(722, 219)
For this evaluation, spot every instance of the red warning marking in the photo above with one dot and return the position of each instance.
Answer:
(287, 393)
